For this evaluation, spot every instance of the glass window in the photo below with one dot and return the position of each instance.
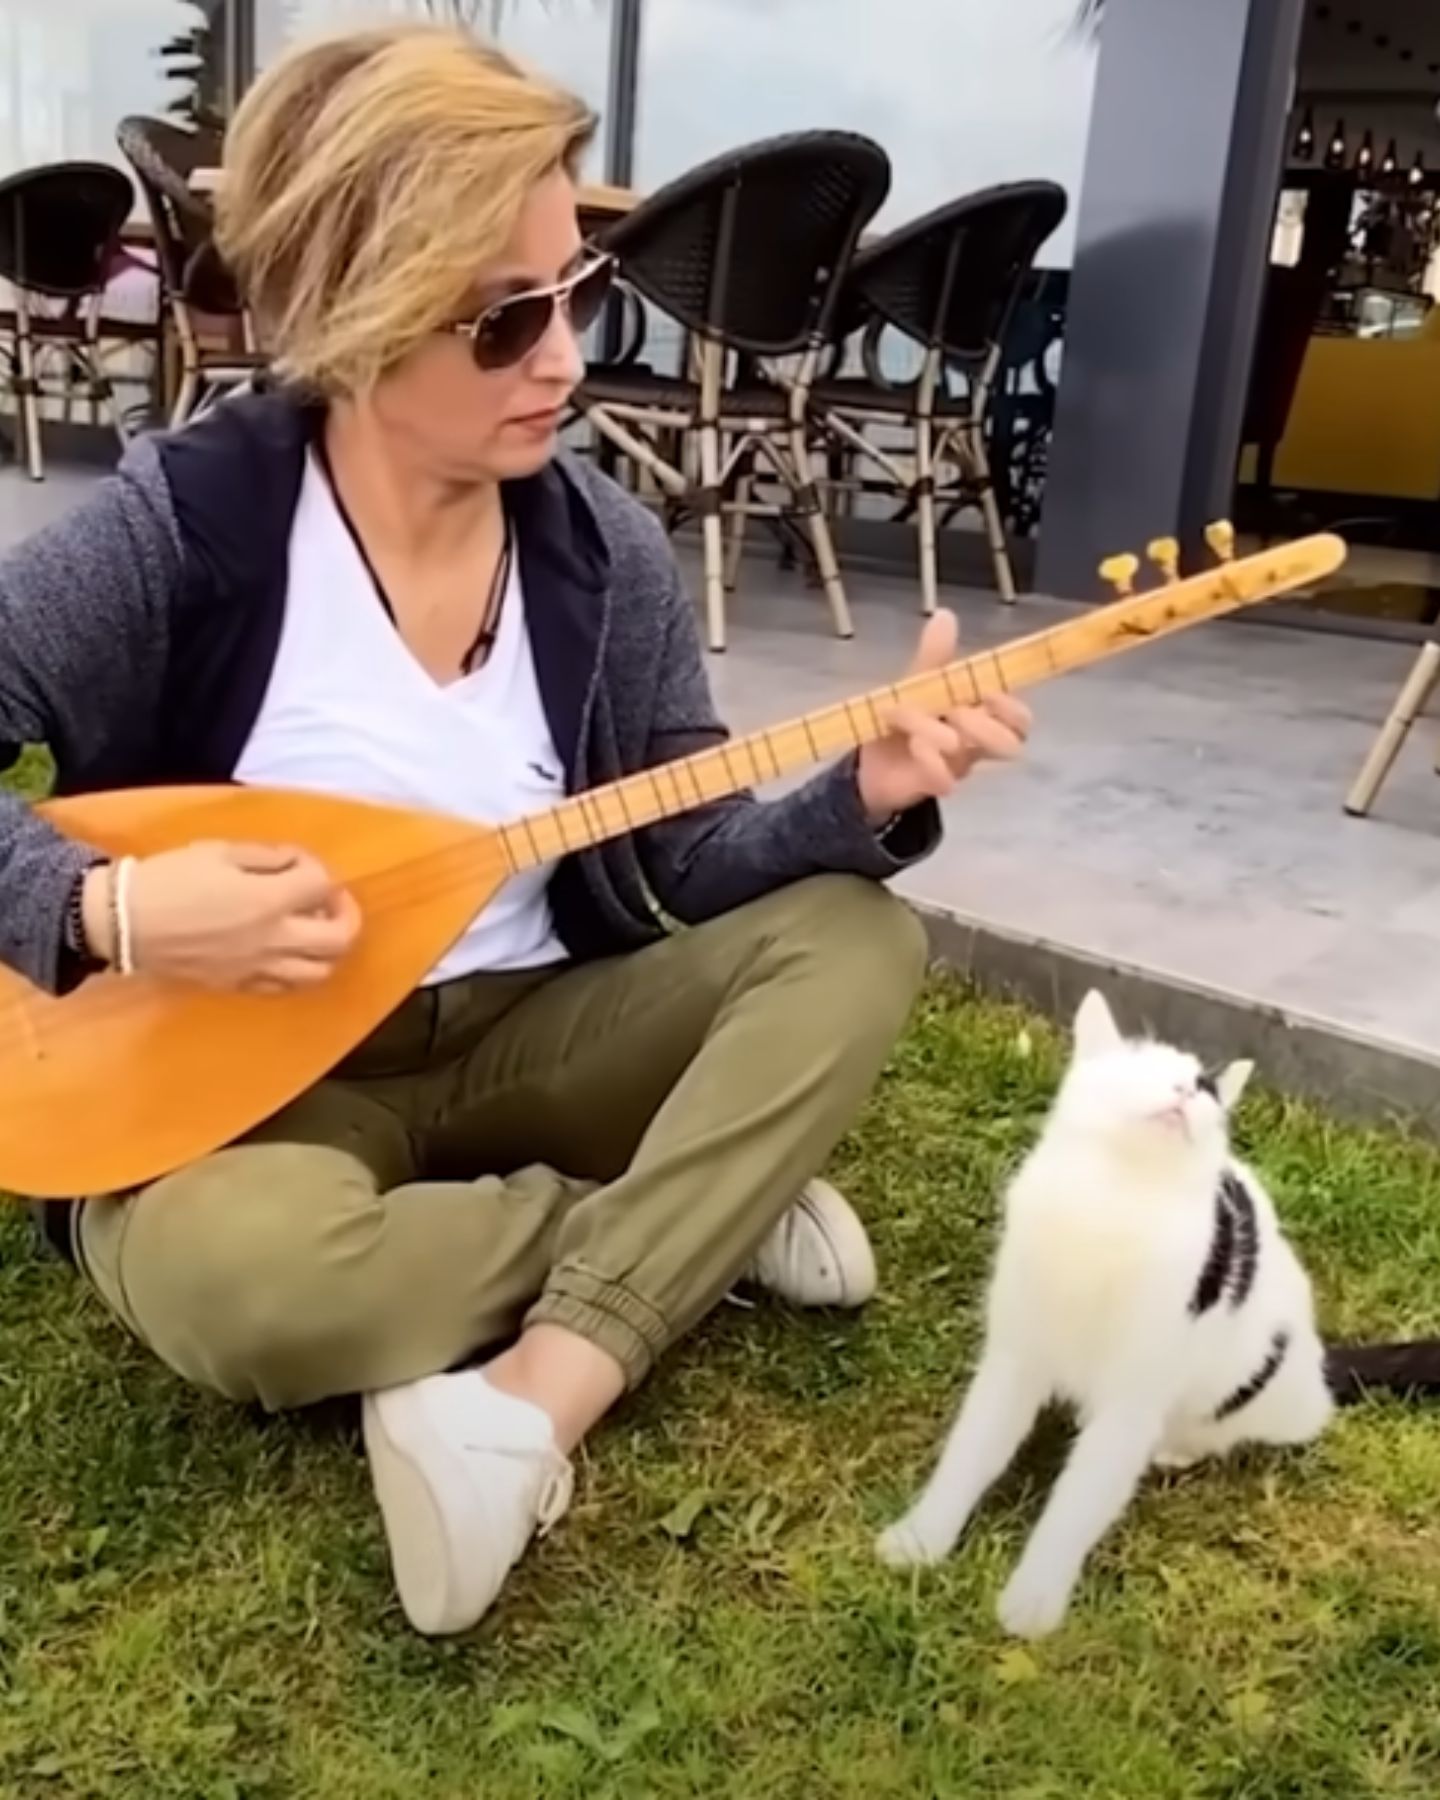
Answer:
(72, 71)
(279, 23)
(568, 39)
(961, 93)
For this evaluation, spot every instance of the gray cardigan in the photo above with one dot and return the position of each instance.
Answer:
(139, 631)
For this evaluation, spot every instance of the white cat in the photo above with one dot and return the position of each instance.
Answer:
(1143, 1277)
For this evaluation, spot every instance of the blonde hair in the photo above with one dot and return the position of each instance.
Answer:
(368, 177)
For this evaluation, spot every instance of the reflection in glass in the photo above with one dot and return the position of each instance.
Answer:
(73, 68)
(568, 39)
(961, 93)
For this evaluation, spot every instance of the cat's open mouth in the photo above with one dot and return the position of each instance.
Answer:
(1174, 1118)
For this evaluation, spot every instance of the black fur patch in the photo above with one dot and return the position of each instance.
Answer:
(1259, 1381)
(1211, 1285)
(1247, 1237)
(1229, 1270)
(1354, 1371)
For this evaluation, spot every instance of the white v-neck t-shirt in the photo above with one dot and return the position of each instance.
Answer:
(349, 711)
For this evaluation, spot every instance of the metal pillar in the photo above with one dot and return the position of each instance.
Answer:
(1185, 155)
(621, 109)
(238, 22)
(621, 113)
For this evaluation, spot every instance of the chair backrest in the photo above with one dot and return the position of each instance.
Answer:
(164, 156)
(751, 247)
(59, 226)
(951, 279)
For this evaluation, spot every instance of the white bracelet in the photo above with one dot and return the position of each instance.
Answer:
(124, 940)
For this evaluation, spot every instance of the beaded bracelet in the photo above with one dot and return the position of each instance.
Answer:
(75, 915)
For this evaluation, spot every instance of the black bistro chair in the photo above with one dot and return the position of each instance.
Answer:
(194, 280)
(948, 281)
(59, 230)
(747, 254)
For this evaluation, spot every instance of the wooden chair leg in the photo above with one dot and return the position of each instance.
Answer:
(1419, 686)
(26, 388)
(738, 519)
(709, 357)
(812, 506)
(990, 511)
(925, 514)
(712, 529)
(186, 396)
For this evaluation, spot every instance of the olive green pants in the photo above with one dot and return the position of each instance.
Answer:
(601, 1147)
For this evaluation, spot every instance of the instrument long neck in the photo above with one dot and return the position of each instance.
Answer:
(681, 786)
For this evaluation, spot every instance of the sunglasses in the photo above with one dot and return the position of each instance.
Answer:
(507, 332)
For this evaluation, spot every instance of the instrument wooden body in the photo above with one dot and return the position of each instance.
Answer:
(123, 1080)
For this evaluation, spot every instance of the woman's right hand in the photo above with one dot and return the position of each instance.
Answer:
(249, 918)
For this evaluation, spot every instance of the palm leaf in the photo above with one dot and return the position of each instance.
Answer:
(469, 13)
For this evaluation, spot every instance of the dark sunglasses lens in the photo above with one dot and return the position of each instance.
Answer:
(512, 330)
(516, 326)
(588, 296)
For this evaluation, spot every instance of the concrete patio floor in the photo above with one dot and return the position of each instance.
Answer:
(1175, 832)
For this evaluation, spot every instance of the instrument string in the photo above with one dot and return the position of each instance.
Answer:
(413, 881)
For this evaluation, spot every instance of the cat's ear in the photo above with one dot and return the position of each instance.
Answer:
(1095, 1029)
(1230, 1083)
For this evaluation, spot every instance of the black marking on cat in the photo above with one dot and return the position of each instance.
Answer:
(1247, 1237)
(1206, 1084)
(1259, 1381)
(1234, 1250)
(1211, 1286)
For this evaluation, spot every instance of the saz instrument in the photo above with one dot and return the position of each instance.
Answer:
(128, 1078)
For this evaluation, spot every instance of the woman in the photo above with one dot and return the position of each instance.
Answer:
(381, 580)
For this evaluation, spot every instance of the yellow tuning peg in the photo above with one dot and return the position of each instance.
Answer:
(1221, 538)
(1165, 554)
(1120, 572)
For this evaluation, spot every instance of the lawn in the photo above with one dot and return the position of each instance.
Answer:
(194, 1603)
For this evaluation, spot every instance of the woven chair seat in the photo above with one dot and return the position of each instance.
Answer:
(671, 393)
(853, 393)
(54, 329)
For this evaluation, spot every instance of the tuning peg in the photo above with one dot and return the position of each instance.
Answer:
(1165, 554)
(1120, 572)
(1221, 538)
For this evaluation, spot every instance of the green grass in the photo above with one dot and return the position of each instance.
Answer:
(194, 1601)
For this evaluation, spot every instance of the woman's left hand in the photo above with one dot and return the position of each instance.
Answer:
(925, 755)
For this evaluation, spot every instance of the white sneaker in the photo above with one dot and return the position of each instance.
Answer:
(465, 1476)
(818, 1255)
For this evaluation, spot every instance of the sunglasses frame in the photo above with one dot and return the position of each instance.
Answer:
(558, 293)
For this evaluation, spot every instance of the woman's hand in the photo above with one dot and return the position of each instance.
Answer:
(924, 756)
(248, 918)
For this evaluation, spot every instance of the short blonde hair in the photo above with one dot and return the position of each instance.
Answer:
(367, 178)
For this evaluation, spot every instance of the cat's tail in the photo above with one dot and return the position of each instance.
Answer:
(1355, 1371)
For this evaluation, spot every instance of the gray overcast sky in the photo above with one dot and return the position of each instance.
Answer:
(960, 92)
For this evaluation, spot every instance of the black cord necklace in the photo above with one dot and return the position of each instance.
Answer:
(484, 640)
(484, 643)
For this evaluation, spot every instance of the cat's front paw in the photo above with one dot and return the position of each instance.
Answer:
(1174, 1458)
(906, 1545)
(1031, 1607)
